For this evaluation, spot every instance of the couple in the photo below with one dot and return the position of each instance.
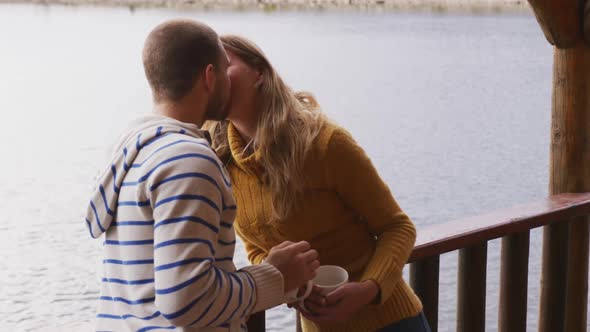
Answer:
(228, 140)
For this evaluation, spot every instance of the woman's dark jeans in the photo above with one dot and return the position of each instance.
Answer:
(412, 324)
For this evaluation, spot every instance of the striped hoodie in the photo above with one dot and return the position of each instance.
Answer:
(165, 207)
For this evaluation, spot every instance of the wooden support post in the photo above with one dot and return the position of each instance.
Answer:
(424, 278)
(570, 172)
(560, 21)
(471, 288)
(513, 283)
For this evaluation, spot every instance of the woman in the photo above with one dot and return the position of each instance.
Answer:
(297, 176)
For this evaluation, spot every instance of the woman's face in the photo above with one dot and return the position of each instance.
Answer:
(244, 87)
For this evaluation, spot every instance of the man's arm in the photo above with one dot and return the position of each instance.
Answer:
(186, 193)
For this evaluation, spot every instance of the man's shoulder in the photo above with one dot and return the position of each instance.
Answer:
(180, 143)
(177, 147)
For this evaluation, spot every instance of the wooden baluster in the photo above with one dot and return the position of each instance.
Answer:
(576, 307)
(257, 322)
(553, 278)
(514, 273)
(424, 278)
(471, 288)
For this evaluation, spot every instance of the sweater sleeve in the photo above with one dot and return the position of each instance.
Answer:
(351, 173)
(256, 255)
(184, 187)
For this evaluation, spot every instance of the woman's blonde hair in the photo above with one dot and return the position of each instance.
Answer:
(288, 124)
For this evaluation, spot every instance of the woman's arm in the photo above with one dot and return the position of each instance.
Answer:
(256, 255)
(351, 173)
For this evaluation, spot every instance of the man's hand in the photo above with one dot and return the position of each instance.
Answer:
(341, 304)
(297, 262)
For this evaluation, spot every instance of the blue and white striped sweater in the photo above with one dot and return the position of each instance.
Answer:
(165, 206)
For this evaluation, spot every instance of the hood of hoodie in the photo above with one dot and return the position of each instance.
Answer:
(102, 208)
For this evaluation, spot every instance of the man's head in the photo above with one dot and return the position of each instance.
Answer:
(184, 58)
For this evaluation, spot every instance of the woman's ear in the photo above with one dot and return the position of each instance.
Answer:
(259, 80)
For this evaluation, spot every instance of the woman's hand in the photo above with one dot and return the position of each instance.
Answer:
(341, 304)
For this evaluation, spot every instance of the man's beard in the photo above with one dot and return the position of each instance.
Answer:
(216, 108)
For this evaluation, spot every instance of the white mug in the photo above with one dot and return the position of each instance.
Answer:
(329, 278)
(292, 295)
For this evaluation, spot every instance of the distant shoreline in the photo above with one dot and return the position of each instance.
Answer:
(435, 6)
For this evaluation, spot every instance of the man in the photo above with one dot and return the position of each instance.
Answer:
(165, 206)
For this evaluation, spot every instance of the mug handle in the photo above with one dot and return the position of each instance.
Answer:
(304, 296)
(308, 289)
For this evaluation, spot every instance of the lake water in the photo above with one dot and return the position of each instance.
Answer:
(454, 111)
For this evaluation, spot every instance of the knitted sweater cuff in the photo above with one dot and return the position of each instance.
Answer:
(269, 286)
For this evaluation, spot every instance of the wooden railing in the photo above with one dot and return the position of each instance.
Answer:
(470, 236)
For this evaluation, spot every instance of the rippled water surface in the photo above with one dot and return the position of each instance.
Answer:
(454, 111)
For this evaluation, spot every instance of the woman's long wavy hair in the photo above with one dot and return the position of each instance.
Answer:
(288, 124)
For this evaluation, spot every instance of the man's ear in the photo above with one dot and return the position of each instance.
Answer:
(210, 77)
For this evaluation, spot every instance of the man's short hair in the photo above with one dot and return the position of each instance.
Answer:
(174, 55)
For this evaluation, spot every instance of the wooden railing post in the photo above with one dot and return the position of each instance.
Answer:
(577, 277)
(424, 279)
(471, 288)
(553, 278)
(514, 272)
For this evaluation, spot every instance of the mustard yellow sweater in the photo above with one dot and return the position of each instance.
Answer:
(347, 214)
